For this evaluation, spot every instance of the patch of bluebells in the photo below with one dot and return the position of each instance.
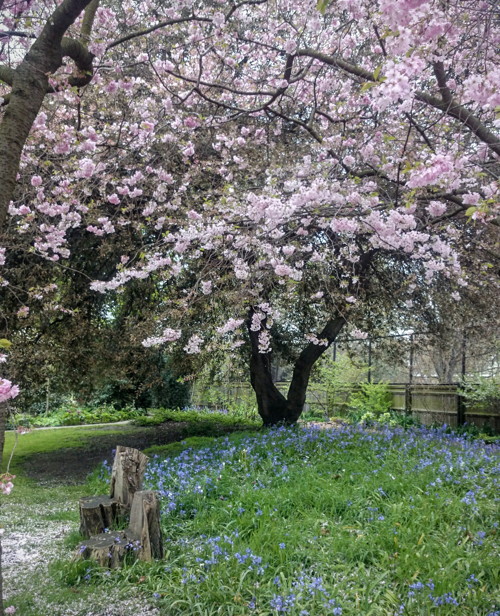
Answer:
(199, 478)
(105, 471)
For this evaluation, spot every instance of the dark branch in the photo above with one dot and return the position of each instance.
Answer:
(163, 24)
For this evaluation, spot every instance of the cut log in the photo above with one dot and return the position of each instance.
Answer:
(126, 477)
(145, 525)
(108, 549)
(96, 514)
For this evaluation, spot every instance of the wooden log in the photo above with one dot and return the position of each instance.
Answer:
(127, 474)
(108, 549)
(145, 525)
(96, 514)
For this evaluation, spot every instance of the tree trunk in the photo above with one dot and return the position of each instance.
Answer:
(297, 391)
(273, 406)
(97, 513)
(127, 475)
(145, 525)
(30, 83)
(108, 549)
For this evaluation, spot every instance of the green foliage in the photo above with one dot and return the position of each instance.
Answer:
(74, 415)
(358, 524)
(481, 394)
(336, 378)
(201, 421)
(233, 398)
(372, 401)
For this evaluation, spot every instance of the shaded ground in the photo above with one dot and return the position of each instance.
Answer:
(72, 465)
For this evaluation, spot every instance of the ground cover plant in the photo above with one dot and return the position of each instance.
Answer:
(201, 420)
(315, 521)
(74, 415)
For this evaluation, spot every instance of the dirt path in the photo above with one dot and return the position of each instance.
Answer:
(72, 465)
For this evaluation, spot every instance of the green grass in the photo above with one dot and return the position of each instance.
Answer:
(45, 441)
(347, 521)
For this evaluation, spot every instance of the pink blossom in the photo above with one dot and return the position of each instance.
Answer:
(194, 345)
(206, 287)
(86, 168)
(358, 334)
(436, 208)
(7, 390)
(36, 180)
(168, 335)
(191, 122)
(229, 326)
(188, 150)
(114, 199)
(23, 312)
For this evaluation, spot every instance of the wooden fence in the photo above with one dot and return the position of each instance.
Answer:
(428, 403)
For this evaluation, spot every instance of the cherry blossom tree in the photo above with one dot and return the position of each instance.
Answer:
(264, 146)
(276, 156)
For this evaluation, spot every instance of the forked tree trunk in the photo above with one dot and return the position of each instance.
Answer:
(273, 406)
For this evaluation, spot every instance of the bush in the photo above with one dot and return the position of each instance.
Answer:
(371, 402)
(74, 415)
(336, 378)
(204, 421)
(481, 394)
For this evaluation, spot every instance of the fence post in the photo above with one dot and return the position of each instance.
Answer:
(460, 408)
(369, 360)
(408, 399)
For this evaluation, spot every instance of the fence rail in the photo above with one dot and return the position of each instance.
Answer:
(429, 403)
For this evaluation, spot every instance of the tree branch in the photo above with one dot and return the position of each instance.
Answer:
(78, 52)
(163, 24)
(447, 105)
(88, 21)
(7, 75)
(9, 33)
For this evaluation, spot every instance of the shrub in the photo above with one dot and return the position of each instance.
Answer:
(481, 394)
(370, 403)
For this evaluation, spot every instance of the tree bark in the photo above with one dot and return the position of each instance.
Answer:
(271, 403)
(145, 525)
(302, 369)
(274, 408)
(108, 549)
(127, 475)
(30, 84)
(97, 513)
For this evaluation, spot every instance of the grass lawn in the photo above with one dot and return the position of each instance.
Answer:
(306, 522)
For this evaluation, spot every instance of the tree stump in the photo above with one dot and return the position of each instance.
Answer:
(96, 514)
(127, 474)
(108, 549)
(145, 525)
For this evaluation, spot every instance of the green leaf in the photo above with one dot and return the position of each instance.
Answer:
(470, 211)
(377, 72)
(5, 344)
(322, 6)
